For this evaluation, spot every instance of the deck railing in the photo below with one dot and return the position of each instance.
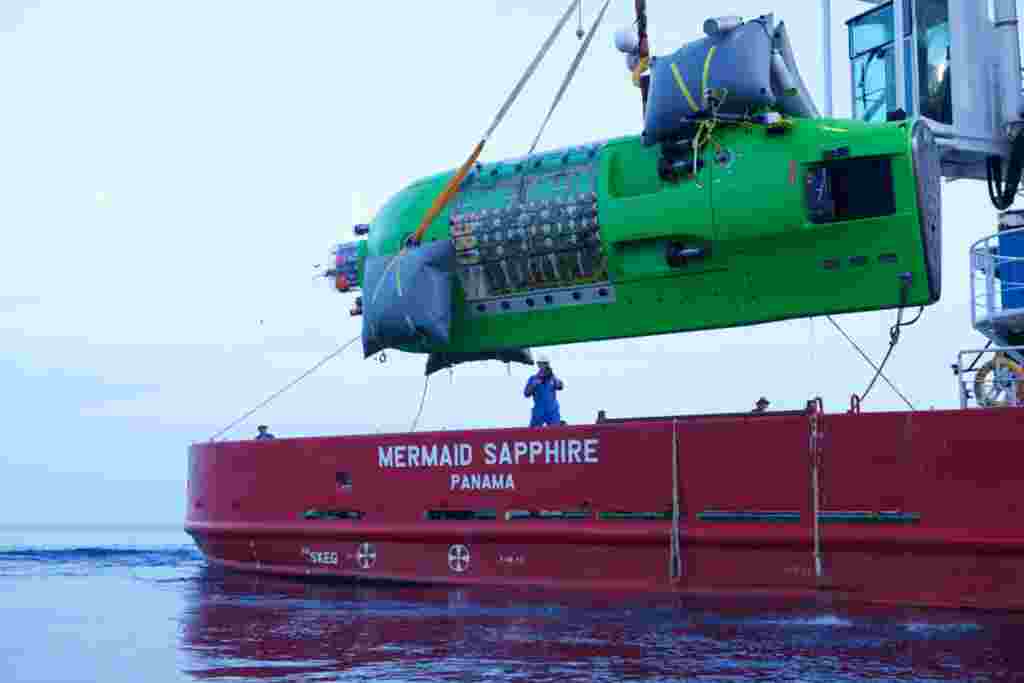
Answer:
(991, 377)
(997, 285)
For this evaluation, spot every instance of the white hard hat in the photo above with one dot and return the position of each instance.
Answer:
(626, 40)
(543, 358)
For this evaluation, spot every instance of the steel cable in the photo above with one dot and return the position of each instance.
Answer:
(878, 369)
(323, 361)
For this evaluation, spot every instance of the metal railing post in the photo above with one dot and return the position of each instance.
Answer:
(815, 415)
(990, 289)
(675, 559)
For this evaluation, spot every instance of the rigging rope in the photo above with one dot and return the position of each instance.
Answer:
(878, 369)
(894, 338)
(423, 399)
(572, 71)
(323, 361)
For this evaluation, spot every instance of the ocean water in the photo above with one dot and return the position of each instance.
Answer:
(141, 605)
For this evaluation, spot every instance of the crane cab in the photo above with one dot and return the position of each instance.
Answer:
(954, 63)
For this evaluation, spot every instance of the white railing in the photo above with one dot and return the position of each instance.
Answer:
(997, 285)
(996, 382)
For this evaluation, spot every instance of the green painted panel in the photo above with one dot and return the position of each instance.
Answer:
(870, 517)
(748, 516)
(794, 516)
(634, 516)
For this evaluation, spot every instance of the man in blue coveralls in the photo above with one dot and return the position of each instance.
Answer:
(543, 387)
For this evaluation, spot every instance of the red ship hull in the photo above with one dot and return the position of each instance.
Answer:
(922, 509)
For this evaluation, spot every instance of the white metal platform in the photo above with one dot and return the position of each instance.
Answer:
(997, 288)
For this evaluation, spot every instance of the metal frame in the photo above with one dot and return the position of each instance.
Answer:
(899, 41)
(1015, 352)
(543, 299)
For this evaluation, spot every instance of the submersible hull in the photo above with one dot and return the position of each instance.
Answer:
(756, 223)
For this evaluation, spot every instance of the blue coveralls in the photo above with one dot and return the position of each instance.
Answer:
(545, 402)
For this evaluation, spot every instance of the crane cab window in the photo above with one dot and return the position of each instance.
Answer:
(873, 45)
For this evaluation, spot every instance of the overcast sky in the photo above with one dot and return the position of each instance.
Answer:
(171, 172)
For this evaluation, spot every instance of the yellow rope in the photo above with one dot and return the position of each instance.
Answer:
(707, 70)
(682, 86)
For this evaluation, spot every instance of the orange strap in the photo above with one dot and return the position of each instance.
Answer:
(446, 195)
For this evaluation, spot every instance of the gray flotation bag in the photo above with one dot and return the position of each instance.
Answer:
(407, 298)
(750, 67)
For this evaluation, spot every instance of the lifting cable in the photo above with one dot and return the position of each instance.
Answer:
(894, 338)
(323, 361)
(643, 53)
(572, 71)
(452, 187)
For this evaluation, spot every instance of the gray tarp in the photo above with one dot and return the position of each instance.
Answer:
(407, 298)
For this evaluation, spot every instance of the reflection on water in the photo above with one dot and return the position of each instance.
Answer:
(86, 608)
(278, 629)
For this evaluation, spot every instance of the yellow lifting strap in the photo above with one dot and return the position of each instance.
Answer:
(682, 86)
(703, 83)
(453, 186)
(707, 70)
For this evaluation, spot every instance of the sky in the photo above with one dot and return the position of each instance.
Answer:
(172, 172)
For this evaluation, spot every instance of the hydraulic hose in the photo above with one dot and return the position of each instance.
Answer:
(1003, 193)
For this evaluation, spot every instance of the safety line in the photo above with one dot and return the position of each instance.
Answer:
(291, 384)
(870, 362)
(423, 399)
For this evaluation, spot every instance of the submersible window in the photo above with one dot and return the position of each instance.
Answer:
(850, 189)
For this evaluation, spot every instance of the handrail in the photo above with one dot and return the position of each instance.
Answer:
(998, 382)
(988, 269)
